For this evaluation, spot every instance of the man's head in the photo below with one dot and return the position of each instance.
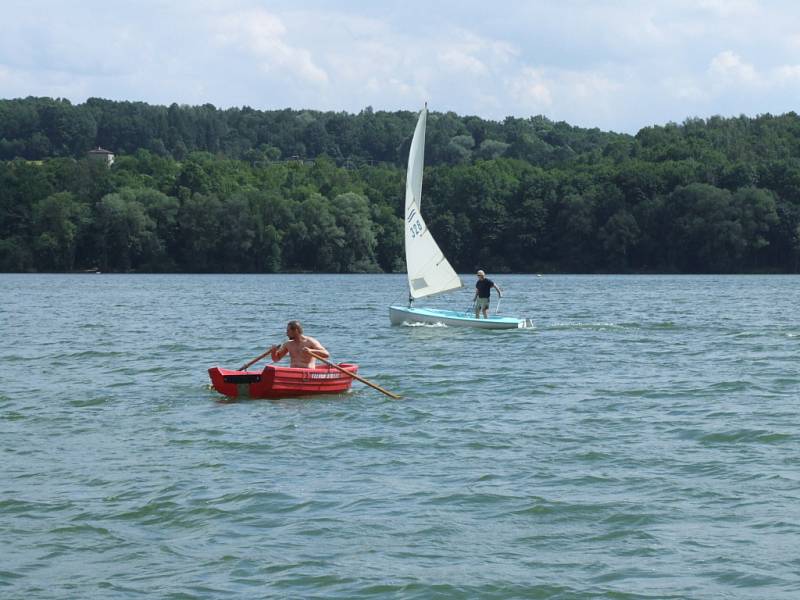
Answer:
(480, 274)
(294, 329)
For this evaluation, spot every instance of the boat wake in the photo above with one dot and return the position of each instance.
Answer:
(417, 324)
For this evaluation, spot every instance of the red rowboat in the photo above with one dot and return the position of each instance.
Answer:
(282, 382)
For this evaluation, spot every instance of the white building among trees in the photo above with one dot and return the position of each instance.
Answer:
(101, 155)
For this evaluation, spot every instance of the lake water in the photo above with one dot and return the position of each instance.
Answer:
(642, 441)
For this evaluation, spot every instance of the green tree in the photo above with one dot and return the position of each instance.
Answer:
(758, 217)
(353, 218)
(199, 229)
(59, 221)
(124, 235)
(706, 230)
(617, 236)
(572, 230)
(389, 250)
(15, 255)
(237, 235)
(313, 240)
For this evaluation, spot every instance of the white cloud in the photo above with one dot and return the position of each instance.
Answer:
(462, 61)
(538, 91)
(261, 34)
(787, 74)
(728, 67)
(592, 86)
(616, 64)
(793, 42)
(684, 89)
(729, 8)
(531, 90)
(463, 51)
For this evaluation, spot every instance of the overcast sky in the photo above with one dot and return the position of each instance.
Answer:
(617, 65)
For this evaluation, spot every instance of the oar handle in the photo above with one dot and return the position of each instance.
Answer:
(256, 359)
(354, 376)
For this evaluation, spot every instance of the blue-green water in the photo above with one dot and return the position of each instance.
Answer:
(643, 441)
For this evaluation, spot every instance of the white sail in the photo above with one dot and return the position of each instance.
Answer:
(428, 270)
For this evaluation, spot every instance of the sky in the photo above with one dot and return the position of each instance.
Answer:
(617, 65)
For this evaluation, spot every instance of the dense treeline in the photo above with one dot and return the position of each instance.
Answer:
(39, 128)
(205, 190)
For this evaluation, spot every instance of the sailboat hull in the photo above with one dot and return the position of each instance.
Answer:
(404, 315)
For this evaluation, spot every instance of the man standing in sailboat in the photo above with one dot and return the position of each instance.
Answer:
(429, 272)
(483, 287)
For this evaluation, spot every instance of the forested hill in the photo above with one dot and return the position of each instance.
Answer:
(198, 189)
(39, 128)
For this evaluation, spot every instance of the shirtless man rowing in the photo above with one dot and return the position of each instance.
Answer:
(298, 348)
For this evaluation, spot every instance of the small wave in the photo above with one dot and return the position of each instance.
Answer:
(83, 402)
(25, 507)
(414, 590)
(5, 575)
(731, 386)
(746, 435)
(746, 335)
(177, 347)
(166, 511)
(12, 416)
(566, 510)
(657, 326)
(80, 529)
(613, 326)
(580, 326)
(14, 358)
(747, 580)
(593, 456)
(665, 325)
(469, 499)
(95, 354)
(370, 442)
(622, 534)
(633, 519)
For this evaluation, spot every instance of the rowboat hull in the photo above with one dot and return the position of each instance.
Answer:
(402, 315)
(281, 382)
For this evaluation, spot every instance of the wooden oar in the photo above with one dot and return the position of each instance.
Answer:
(256, 359)
(354, 376)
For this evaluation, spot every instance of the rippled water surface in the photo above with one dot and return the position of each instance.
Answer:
(642, 441)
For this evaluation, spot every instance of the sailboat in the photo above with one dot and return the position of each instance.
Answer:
(429, 272)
